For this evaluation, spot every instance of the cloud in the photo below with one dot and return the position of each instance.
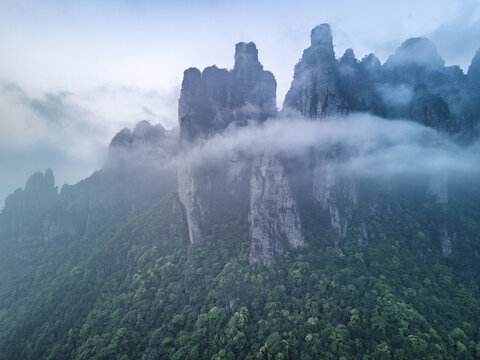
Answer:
(74, 147)
(375, 146)
(70, 132)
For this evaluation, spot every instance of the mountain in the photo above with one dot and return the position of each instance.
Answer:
(236, 188)
(215, 241)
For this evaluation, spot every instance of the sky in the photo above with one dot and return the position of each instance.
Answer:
(73, 73)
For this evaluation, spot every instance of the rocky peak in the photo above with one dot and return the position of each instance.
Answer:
(195, 113)
(473, 79)
(416, 51)
(246, 54)
(349, 58)
(122, 138)
(371, 63)
(213, 99)
(474, 68)
(192, 81)
(38, 197)
(143, 146)
(251, 89)
(349, 67)
(321, 50)
(356, 83)
(144, 132)
(321, 35)
(41, 183)
(314, 91)
(39, 191)
(258, 190)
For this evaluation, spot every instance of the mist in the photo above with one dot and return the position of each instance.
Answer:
(70, 131)
(375, 146)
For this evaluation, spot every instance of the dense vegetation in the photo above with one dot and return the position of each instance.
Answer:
(136, 289)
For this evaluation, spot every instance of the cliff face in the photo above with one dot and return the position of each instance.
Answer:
(31, 216)
(254, 189)
(215, 98)
(323, 86)
(273, 216)
(473, 86)
(414, 83)
(315, 87)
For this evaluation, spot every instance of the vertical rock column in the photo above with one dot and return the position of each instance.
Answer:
(316, 93)
(274, 219)
(210, 102)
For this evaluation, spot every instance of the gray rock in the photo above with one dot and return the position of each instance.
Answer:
(210, 101)
(274, 219)
(363, 237)
(446, 242)
(438, 187)
(430, 110)
(473, 76)
(418, 52)
(213, 99)
(195, 209)
(315, 90)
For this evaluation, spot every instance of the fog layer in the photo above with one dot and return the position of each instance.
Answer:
(375, 146)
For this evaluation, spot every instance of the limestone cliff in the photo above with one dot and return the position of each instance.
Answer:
(274, 219)
(315, 90)
(211, 101)
(321, 87)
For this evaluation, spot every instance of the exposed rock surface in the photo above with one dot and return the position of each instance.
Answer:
(363, 237)
(274, 219)
(473, 87)
(438, 92)
(209, 102)
(32, 215)
(315, 87)
(414, 83)
(194, 209)
(356, 83)
(447, 242)
(213, 99)
(429, 109)
(323, 87)
(336, 194)
(438, 187)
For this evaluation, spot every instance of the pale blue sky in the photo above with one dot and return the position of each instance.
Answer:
(72, 44)
(101, 65)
